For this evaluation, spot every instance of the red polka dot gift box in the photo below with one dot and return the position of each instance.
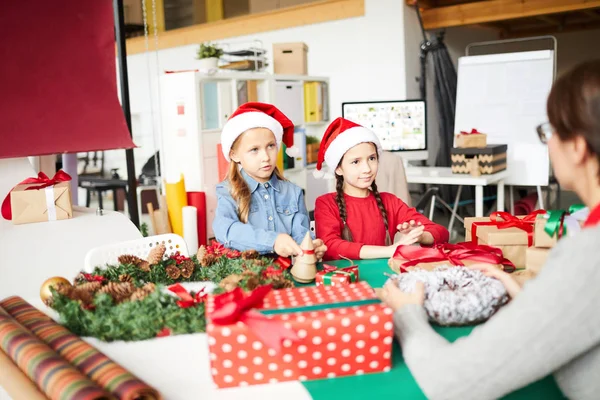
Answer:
(270, 336)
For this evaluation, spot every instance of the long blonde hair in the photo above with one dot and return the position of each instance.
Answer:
(238, 188)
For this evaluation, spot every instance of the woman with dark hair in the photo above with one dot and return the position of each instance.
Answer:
(552, 325)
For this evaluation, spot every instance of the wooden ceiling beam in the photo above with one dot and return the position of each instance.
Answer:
(511, 34)
(499, 10)
(423, 4)
(592, 14)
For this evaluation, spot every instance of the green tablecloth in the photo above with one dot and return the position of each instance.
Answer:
(399, 383)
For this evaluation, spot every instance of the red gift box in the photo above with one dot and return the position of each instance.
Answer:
(338, 331)
(333, 276)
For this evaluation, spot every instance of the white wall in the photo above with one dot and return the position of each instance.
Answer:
(364, 58)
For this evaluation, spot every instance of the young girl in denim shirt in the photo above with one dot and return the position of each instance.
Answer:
(256, 207)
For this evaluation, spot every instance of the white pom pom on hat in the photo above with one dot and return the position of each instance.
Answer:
(258, 115)
(339, 137)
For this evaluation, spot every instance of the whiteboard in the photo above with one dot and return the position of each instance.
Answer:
(504, 96)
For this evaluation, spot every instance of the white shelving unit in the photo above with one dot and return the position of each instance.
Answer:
(195, 106)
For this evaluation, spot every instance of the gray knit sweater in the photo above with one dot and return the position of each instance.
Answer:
(551, 327)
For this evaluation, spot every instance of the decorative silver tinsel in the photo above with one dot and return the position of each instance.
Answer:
(456, 295)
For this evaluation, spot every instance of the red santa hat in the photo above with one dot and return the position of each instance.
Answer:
(342, 135)
(258, 115)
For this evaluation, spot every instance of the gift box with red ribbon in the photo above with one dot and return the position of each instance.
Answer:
(39, 199)
(333, 276)
(471, 139)
(460, 254)
(269, 336)
(509, 233)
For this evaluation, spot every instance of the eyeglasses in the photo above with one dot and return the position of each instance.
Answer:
(544, 132)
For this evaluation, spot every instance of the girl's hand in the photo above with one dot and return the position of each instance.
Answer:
(410, 236)
(510, 284)
(320, 248)
(286, 246)
(406, 227)
(396, 298)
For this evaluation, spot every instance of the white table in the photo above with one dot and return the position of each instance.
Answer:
(444, 176)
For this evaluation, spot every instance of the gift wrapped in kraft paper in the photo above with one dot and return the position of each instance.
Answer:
(556, 224)
(461, 254)
(39, 199)
(511, 234)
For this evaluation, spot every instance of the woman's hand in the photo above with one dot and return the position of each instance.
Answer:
(396, 298)
(286, 246)
(510, 284)
(320, 248)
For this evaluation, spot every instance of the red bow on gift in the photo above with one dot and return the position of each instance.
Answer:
(236, 306)
(453, 253)
(43, 180)
(187, 300)
(504, 220)
(473, 132)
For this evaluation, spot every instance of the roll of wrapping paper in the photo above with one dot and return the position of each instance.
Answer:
(190, 228)
(53, 375)
(90, 361)
(198, 200)
(176, 200)
(15, 382)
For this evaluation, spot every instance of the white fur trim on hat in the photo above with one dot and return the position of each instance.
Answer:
(239, 124)
(347, 140)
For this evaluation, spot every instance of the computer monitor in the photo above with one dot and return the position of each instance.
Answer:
(400, 125)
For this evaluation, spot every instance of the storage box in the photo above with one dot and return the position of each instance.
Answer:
(51, 203)
(289, 97)
(491, 159)
(341, 330)
(290, 58)
(471, 140)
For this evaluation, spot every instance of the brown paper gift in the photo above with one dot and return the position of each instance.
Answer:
(540, 237)
(39, 205)
(536, 258)
(515, 253)
(471, 140)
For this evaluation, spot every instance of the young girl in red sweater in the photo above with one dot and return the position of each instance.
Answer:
(357, 221)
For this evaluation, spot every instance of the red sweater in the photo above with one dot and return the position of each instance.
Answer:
(365, 222)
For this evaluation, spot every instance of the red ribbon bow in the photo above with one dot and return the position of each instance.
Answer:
(283, 262)
(473, 132)
(187, 300)
(236, 306)
(455, 254)
(504, 220)
(93, 278)
(42, 179)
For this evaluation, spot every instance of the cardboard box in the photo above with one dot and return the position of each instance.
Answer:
(515, 253)
(540, 237)
(38, 205)
(337, 276)
(476, 140)
(491, 159)
(334, 339)
(536, 258)
(290, 58)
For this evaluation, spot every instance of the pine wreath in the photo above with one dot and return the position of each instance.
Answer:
(128, 302)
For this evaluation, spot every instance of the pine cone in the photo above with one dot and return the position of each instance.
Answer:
(173, 271)
(230, 282)
(187, 268)
(118, 290)
(128, 259)
(144, 266)
(125, 278)
(65, 290)
(260, 263)
(252, 283)
(149, 287)
(84, 296)
(156, 254)
(249, 254)
(89, 286)
(201, 253)
(208, 260)
(279, 282)
(139, 294)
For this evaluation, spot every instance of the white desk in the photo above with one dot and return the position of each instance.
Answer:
(444, 176)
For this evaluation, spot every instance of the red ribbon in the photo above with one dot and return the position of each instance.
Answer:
(455, 254)
(187, 300)
(473, 132)
(504, 220)
(236, 306)
(93, 278)
(309, 252)
(42, 179)
(283, 262)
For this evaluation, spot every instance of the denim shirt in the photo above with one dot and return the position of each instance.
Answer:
(276, 207)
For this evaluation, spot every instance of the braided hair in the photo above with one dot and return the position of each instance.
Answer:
(341, 203)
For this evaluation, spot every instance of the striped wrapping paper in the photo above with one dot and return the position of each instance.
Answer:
(55, 377)
(97, 366)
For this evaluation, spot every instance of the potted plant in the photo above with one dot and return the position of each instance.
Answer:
(208, 56)
(312, 149)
